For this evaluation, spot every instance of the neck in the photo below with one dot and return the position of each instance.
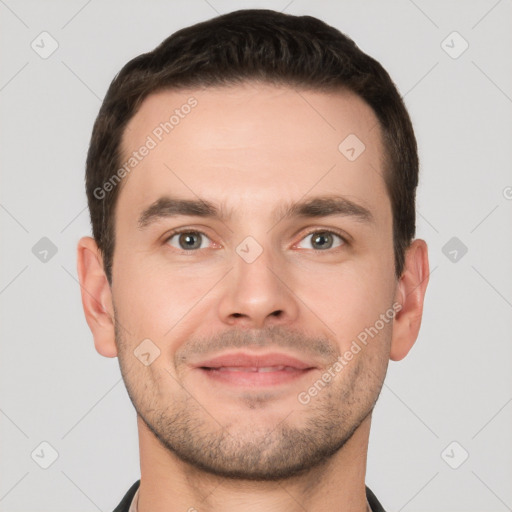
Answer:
(169, 484)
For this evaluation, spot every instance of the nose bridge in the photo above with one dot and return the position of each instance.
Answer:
(257, 291)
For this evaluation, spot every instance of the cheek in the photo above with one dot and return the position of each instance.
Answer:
(349, 300)
(157, 301)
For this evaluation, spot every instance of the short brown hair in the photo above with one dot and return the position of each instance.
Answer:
(263, 46)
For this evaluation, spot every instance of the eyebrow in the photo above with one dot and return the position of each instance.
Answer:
(321, 206)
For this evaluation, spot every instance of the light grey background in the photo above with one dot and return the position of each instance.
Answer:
(455, 385)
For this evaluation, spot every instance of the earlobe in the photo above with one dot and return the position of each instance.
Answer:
(96, 296)
(410, 294)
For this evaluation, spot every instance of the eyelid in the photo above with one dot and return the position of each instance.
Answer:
(329, 229)
(309, 231)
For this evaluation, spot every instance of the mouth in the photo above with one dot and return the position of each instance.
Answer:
(243, 369)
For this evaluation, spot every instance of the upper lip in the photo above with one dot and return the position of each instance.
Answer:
(244, 359)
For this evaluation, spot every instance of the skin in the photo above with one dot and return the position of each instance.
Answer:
(253, 148)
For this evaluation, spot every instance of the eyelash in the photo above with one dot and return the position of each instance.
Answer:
(196, 231)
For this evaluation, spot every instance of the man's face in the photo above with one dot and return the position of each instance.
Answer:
(250, 308)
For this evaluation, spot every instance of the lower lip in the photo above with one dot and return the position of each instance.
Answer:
(253, 379)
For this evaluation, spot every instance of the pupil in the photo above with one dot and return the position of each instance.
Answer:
(188, 240)
(322, 237)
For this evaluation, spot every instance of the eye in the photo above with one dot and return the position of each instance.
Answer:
(192, 240)
(187, 240)
(323, 240)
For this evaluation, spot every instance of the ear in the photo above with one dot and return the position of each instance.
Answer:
(410, 293)
(96, 296)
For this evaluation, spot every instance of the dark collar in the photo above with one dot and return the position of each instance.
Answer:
(124, 506)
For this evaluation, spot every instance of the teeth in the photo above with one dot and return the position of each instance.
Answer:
(271, 369)
(263, 369)
(236, 369)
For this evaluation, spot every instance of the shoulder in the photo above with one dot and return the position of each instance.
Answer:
(124, 506)
(373, 501)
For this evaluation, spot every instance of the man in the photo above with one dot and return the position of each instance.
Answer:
(251, 184)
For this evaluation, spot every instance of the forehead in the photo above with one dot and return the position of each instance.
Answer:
(249, 146)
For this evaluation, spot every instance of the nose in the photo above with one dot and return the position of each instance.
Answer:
(258, 294)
